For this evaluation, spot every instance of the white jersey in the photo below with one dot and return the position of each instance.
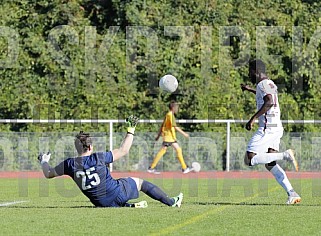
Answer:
(272, 118)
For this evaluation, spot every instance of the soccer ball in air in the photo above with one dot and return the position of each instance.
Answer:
(196, 166)
(168, 83)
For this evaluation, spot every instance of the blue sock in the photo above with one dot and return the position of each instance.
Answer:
(129, 204)
(156, 193)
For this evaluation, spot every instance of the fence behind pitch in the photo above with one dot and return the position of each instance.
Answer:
(220, 150)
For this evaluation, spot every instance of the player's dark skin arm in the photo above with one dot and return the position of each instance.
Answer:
(246, 87)
(268, 103)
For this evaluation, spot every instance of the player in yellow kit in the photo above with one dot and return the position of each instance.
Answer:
(168, 132)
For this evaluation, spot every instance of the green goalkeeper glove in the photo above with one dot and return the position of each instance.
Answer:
(131, 123)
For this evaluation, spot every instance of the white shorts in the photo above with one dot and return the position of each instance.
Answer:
(262, 140)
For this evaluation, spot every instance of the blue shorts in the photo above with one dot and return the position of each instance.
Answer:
(128, 191)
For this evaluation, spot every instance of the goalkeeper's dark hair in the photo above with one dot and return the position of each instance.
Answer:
(82, 142)
(172, 104)
(257, 65)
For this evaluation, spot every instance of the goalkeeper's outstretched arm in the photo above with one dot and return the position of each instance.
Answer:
(124, 148)
(128, 141)
(47, 170)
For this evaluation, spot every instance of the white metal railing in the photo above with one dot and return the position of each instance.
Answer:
(111, 122)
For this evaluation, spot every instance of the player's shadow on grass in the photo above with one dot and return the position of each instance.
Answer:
(250, 204)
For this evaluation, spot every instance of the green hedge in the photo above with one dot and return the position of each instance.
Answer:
(102, 59)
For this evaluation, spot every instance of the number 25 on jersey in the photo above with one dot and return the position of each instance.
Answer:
(88, 179)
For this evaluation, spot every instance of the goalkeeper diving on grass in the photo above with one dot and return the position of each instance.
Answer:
(90, 172)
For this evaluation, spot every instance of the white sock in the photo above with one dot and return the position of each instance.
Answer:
(281, 178)
(265, 158)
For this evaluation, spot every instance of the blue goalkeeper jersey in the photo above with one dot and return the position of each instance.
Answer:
(92, 176)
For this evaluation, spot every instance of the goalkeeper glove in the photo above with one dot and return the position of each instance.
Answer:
(131, 123)
(42, 158)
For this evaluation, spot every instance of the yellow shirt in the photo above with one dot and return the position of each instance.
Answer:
(168, 128)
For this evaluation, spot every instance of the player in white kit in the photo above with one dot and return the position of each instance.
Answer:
(264, 144)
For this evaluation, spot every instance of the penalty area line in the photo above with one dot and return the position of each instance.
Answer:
(197, 218)
(5, 204)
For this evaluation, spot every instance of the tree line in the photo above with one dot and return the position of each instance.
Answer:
(102, 59)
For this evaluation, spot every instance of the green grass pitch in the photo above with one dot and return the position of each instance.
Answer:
(210, 207)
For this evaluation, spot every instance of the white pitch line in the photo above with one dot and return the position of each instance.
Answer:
(11, 203)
